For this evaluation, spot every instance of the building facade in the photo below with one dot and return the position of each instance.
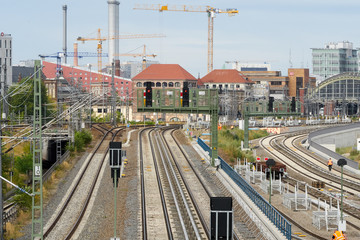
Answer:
(161, 76)
(130, 69)
(333, 59)
(85, 78)
(5, 59)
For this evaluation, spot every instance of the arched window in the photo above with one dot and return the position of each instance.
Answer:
(138, 84)
(158, 84)
(144, 84)
(177, 84)
(171, 84)
(164, 84)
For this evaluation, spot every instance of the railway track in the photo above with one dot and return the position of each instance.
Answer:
(313, 166)
(243, 228)
(74, 206)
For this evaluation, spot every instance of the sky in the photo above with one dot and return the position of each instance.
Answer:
(263, 31)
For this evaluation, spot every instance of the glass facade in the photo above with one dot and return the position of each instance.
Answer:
(348, 89)
(330, 62)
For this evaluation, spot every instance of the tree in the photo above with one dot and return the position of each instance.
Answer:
(24, 96)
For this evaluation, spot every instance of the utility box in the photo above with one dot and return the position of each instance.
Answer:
(221, 218)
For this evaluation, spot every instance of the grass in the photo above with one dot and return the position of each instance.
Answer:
(349, 152)
(229, 143)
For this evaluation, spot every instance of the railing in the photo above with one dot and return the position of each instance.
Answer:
(274, 216)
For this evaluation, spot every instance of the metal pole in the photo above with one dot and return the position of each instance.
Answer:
(1, 196)
(270, 188)
(342, 195)
(89, 65)
(115, 179)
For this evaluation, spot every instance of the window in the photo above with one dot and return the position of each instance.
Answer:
(5, 43)
(86, 73)
(177, 84)
(126, 83)
(158, 84)
(226, 86)
(85, 78)
(10, 43)
(171, 84)
(0, 59)
(214, 86)
(75, 73)
(138, 84)
(7, 53)
(105, 110)
(164, 84)
(237, 86)
(81, 73)
(122, 82)
(99, 110)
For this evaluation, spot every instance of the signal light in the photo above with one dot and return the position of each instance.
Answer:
(293, 105)
(271, 104)
(185, 95)
(148, 95)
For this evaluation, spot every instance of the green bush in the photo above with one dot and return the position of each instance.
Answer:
(23, 200)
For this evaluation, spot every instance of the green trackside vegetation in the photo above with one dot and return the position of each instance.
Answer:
(349, 152)
(229, 141)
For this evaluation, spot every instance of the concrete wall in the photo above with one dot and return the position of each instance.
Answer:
(342, 135)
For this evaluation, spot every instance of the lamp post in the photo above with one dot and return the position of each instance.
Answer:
(341, 163)
(270, 163)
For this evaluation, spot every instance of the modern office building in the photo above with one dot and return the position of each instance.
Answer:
(130, 69)
(5, 59)
(333, 59)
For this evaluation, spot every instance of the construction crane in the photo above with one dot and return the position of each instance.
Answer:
(183, 8)
(59, 55)
(100, 40)
(143, 55)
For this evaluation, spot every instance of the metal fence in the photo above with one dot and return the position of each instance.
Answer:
(274, 216)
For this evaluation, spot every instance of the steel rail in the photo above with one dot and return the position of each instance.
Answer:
(47, 232)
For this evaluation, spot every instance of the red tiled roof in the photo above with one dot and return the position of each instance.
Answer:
(225, 76)
(164, 72)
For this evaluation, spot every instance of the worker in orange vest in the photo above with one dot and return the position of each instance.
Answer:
(330, 164)
(339, 235)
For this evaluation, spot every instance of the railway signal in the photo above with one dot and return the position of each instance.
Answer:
(185, 95)
(148, 95)
(271, 104)
(270, 163)
(115, 164)
(293, 105)
(342, 224)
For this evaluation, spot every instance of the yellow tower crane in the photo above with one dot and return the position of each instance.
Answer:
(100, 40)
(183, 8)
(143, 55)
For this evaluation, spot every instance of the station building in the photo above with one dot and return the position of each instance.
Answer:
(339, 94)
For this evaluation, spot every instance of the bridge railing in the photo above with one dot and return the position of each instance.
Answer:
(273, 215)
